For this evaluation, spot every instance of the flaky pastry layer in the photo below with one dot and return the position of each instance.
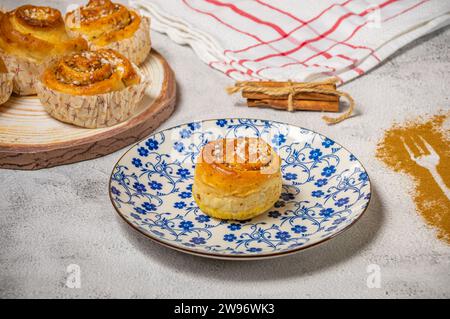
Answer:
(237, 207)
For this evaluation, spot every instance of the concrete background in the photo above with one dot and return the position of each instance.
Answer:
(52, 218)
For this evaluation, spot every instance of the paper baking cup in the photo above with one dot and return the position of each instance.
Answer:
(136, 48)
(25, 72)
(93, 111)
(6, 86)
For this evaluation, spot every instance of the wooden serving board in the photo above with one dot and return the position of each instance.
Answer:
(30, 139)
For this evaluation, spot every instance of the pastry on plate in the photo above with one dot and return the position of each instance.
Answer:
(237, 178)
(105, 24)
(92, 88)
(5, 83)
(29, 37)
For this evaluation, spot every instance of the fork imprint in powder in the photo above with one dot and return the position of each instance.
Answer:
(429, 160)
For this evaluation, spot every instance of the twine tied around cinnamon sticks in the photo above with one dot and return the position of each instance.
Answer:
(291, 90)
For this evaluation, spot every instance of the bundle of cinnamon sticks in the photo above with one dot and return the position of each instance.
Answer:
(291, 96)
(300, 101)
(262, 94)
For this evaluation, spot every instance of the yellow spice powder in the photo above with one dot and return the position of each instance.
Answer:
(421, 149)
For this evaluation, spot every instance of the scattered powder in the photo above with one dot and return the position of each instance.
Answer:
(432, 186)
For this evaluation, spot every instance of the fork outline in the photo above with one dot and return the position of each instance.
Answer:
(428, 161)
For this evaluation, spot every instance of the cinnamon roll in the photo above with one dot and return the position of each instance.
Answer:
(5, 83)
(105, 24)
(92, 88)
(237, 178)
(29, 37)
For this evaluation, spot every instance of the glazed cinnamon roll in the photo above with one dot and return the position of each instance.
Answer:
(237, 178)
(29, 37)
(92, 88)
(5, 83)
(105, 24)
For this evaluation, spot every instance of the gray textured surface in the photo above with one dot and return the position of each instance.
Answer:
(60, 216)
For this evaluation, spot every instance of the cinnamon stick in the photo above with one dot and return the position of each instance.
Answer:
(277, 84)
(309, 105)
(298, 96)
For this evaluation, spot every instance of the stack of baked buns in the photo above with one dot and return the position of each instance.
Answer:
(84, 68)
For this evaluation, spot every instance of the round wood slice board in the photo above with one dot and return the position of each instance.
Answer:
(30, 139)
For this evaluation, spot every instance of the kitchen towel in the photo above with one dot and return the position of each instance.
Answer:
(298, 40)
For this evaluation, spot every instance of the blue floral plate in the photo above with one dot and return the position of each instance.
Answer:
(325, 191)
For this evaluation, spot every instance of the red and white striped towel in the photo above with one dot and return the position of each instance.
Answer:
(299, 40)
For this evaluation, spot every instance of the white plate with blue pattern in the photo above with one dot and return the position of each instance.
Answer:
(325, 191)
